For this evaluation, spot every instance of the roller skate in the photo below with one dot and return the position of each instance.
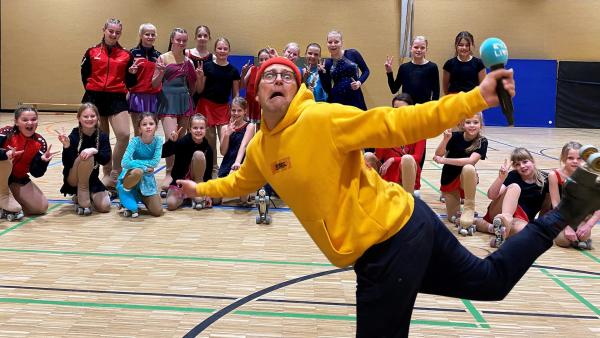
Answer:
(198, 203)
(499, 234)
(129, 213)
(581, 191)
(11, 215)
(466, 224)
(585, 245)
(81, 211)
(262, 204)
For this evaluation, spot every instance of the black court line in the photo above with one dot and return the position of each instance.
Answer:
(217, 315)
(534, 152)
(565, 269)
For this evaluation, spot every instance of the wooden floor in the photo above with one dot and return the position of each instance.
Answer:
(217, 271)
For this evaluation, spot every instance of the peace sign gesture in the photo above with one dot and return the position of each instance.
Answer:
(160, 65)
(12, 153)
(174, 135)
(504, 168)
(63, 138)
(388, 64)
(321, 66)
(200, 70)
(48, 155)
(245, 68)
(134, 67)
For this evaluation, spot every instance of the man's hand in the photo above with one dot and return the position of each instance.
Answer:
(188, 187)
(488, 85)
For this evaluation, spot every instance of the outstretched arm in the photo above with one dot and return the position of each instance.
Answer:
(386, 127)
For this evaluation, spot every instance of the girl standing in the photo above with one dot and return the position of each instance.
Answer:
(22, 152)
(178, 77)
(192, 154)
(200, 54)
(143, 97)
(84, 150)
(107, 70)
(464, 71)
(310, 73)
(136, 182)
(249, 82)
(459, 152)
(232, 137)
(517, 196)
(569, 160)
(218, 81)
(399, 164)
(419, 77)
(348, 72)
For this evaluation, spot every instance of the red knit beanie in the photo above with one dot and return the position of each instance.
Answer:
(281, 61)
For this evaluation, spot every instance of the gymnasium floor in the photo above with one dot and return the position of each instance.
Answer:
(219, 273)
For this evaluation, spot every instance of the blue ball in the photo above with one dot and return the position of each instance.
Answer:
(493, 52)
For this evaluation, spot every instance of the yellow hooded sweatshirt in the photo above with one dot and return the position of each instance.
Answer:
(313, 159)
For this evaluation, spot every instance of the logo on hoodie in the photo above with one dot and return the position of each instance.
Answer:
(281, 165)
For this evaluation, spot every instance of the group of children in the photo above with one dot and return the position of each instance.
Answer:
(189, 91)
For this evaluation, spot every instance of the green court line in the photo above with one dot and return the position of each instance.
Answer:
(188, 258)
(571, 291)
(476, 314)
(29, 219)
(589, 255)
(578, 276)
(209, 310)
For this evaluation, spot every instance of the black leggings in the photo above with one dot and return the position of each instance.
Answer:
(424, 256)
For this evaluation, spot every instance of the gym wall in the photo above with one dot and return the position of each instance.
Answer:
(42, 42)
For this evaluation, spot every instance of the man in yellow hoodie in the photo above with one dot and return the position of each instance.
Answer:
(397, 244)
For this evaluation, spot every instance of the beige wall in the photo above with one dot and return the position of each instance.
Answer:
(42, 41)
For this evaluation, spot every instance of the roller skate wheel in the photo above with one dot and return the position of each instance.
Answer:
(593, 161)
(2, 213)
(471, 231)
(463, 231)
(134, 215)
(10, 217)
(586, 151)
(582, 245)
(80, 211)
(453, 219)
(87, 211)
(127, 213)
(268, 219)
(258, 219)
(163, 194)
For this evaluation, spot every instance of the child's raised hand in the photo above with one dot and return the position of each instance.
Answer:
(134, 67)
(388, 64)
(11, 152)
(504, 168)
(321, 66)
(188, 187)
(48, 155)
(63, 138)
(160, 65)
(245, 68)
(174, 135)
(272, 51)
(447, 134)
(200, 70)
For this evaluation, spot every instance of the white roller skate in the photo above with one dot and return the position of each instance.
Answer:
(198, 203)
(262, 204)
(129, 213)
(499, 234)
(11, 215)
(81, 211)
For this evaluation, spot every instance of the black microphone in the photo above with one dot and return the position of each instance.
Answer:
(494, 55)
